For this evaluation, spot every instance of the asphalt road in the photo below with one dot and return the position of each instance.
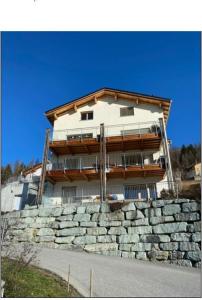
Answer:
(121, 277)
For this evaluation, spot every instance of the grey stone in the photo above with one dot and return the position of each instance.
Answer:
(95, 217)
(94, 208)
(171, 209)
(14, 214)
(126, 223)
(28, 220)
(110, 223)
(27, 235)
(68, 224)
(114, 216)
(151, 238)
(169, 246)
(142, 204)
(153, 212)
(134, 215)
(182, 262)
(83, 240)
(71, 231)
(189, 246)
(81, 209)
(45, 212)
(164, 238)
(128, 254)
(65, 218)
(160, 255)
(55, 225)
(140, 222)
(187, 217)
(29, 213)
(197, 265)
(160, 220)
(105, 208)
(82, 217)
(140, 230)
(88, 224)
(193, 255)
(190, 228)
(180, 237)
(125, 247)
(17, 232)
(128, 238)
(141, 255)
(197, 226)
(170, 227)
(158, 203)
(196, 237)
(106, 238)
(57, 211)
(46, 231)
(174, 255)
(178, 201)
(109, 253)
(39, 239)
(117, 230)
(101, 247)
(45, 220)
(97, 231)
(64, 240)
(70, 209)
(141, 247)
(129, 207)
(190, 207)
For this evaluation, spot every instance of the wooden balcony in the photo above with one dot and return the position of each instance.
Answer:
(113, 172)
(114, 143)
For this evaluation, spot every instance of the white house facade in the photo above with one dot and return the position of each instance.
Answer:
(132, 129)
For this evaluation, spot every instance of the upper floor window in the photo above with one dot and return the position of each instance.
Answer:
(126, 111)
(87, 115)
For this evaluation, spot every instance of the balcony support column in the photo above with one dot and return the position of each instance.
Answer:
(102, 163)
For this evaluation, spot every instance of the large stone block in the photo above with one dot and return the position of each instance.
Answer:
(81, 209)
(94, 208)
(17, 232)
(101, 247)
(153, 212)
(190, 207)
(88, 224)
(141, 255)
(29, 220)
(126, 223)
(114, 216)
(189, 246)
(109, 223)
(45, 220)
(105, 208)
(27, 235)
(187, 217)
(196, 237)
(129, 207)
(197, 226)
(140, 222)
(65, 218)
(142, 204)
(29, 213)
(178, 201)
(128, 254)
(68, 224)
(170, 227)
(117, 230)
(162, 219)
(140, 230)
(70, 209)
(46, 231)
(128, 238)
(158, 255)
(193, 255)
(125, 247)
(64, 240)
(97, 231)
(182, 262)
(151, 238)
(171, 209)
(95, 217)
(134, 215)
(169, 246)
(57, 211)
(106, 238)
(39, 239)
(82, 217)
(45, 211)
(83, 240)
(180, 237)
(174, 255)
(141, 247)
(71, 231)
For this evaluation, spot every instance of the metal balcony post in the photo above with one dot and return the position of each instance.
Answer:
(80, 163)
(142, 160)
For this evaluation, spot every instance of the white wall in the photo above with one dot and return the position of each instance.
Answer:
(9, 199)
(107, 111)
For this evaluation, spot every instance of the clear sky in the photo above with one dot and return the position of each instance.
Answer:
(41, 70)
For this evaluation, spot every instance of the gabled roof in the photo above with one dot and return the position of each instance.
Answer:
(32, 169)
(165, 103)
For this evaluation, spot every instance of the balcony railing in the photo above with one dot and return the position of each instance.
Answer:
(80, 134)
(124, 160)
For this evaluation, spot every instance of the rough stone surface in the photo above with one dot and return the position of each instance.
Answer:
(71, 231)
(193, 255)
(190, 207)
(69, 210)
(169, 246)
(68, 224)
(101, 247)
(109, 223)
(187, 217)
(151, 238)
(106, 238)
(81, 209)
(189, 246)
(65, 218)
(134, 215)
(45, 212)
(142, 204)
(129, 207)
(29, 213)
(128, 238)
(83, 240)
(141, 255)
(141, 247)
(39, 239)
(171, 209)
(160, 220)
(180, 237)
(46, 231)
(153, 212)
(114, 216)
(82, 217)
(128, 254)
(170, 228)
(92, 208)
(117, 230)
(105, 208)
(88, 224)
(125, 247)
(140, 222)
(196, 237)
(64, 240)
(140, 230)
(97, 231)
(126, 223)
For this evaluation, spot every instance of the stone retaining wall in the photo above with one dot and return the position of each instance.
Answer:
(164, 230)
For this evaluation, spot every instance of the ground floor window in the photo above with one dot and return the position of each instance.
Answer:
(68, 194)
(140, 191)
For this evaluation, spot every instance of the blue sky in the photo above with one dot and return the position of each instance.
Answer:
(41, 70)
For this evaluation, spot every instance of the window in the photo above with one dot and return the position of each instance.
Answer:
(126, 111)
(88, 115)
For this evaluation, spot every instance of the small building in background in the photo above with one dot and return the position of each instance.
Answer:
(194, 172)
(21, 190)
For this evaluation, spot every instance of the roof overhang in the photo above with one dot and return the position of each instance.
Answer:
(164, 103)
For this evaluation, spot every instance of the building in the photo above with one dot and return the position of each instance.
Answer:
(21, 190)
(194, 172)
(109, 144)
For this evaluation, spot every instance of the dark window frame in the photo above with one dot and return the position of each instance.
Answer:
(87, 114)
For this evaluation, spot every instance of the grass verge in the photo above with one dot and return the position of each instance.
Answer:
(29, 281)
